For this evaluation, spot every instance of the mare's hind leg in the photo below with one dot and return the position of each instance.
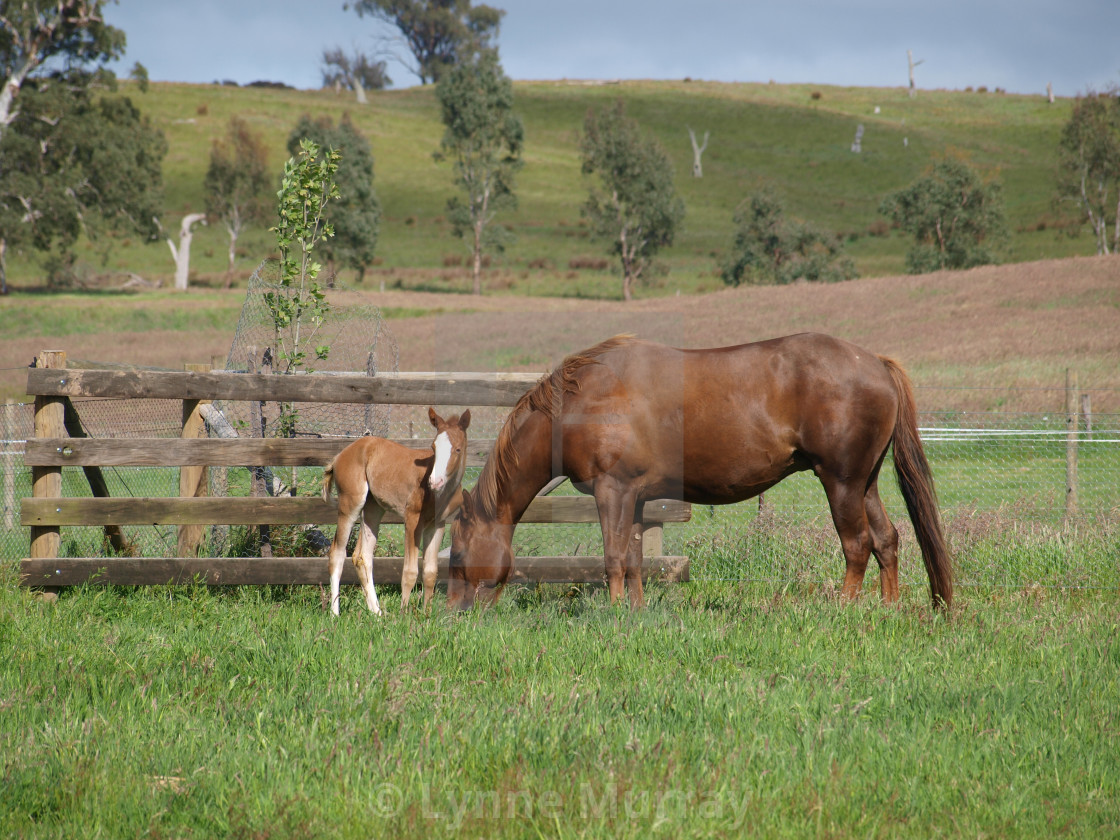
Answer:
(363, 553)
(849, 514)
(884, 542)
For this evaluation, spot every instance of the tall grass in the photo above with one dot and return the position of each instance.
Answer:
(721, 710)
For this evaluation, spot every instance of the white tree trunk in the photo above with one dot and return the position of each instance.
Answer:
(359, 91)
(912, 64)
(697, 151)
(182, 254)
(232, 252)
(8, 94)
(476, 261)
(29, 33)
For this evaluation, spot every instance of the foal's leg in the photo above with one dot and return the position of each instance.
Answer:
(413, 539)
(431, 563)
(849, 514)
(884, 543)
(349, 509)
(363, 553)
(616, 504)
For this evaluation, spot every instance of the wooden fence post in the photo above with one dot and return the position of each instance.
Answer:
(193, 480)
(1073, 401)
(50, 422)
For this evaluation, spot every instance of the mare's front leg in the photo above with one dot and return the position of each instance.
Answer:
(363, 552)
(431, 563)
(617, 504)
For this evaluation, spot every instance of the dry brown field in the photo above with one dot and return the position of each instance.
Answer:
(1013, 326)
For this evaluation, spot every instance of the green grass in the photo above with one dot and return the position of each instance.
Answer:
(721, 710)
(760, 135)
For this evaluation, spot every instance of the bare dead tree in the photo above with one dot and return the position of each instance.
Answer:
(182, 253)
(912, 64)
(357, 72)
(859, 139)
(697, 151)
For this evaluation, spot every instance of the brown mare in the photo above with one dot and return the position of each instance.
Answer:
(374, 475)
(628, 421)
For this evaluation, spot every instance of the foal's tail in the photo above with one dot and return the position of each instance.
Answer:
(916, 483)
(328, 480)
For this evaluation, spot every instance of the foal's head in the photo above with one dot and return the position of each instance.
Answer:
(450, 446)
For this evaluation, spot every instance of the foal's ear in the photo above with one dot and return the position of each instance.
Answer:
(435, 418)
(466, 509)
(465, 420)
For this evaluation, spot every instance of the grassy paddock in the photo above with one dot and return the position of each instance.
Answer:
(721, 710)
(761, 134)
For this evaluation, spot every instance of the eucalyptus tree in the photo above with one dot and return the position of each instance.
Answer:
(73, 160)
(1089, 172)
(484, 140)
(356, 216)
(239, 187)
(438, 33)
(955, 217)
(633, 203)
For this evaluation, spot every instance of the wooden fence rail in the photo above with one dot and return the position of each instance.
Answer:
(58, 443)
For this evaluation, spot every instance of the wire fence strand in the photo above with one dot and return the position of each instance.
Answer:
(1001, 478)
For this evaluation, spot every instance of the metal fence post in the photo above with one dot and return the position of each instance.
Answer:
(1073, 404)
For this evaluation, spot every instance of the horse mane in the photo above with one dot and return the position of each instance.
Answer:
(542, 397)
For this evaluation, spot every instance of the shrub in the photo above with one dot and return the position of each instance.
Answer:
(591, 263)
(879, 227)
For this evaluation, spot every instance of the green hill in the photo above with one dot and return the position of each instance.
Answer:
(796, 138)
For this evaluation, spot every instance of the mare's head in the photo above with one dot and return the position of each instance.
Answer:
(450, 447)
(481, 557)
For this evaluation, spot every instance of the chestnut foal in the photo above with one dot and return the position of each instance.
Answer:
(374, 475)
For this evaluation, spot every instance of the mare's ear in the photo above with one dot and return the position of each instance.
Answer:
(465, 420)
(435, 418)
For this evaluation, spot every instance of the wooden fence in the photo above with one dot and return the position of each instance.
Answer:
(61, 442)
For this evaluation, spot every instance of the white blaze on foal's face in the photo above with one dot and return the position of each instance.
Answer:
(443, 460)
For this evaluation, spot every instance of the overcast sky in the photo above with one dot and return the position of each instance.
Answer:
(1018, 45)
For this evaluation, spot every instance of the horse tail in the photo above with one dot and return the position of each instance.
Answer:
(916, 483)
(328, 480)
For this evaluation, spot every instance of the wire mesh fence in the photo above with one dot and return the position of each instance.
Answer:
(1003, 481)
